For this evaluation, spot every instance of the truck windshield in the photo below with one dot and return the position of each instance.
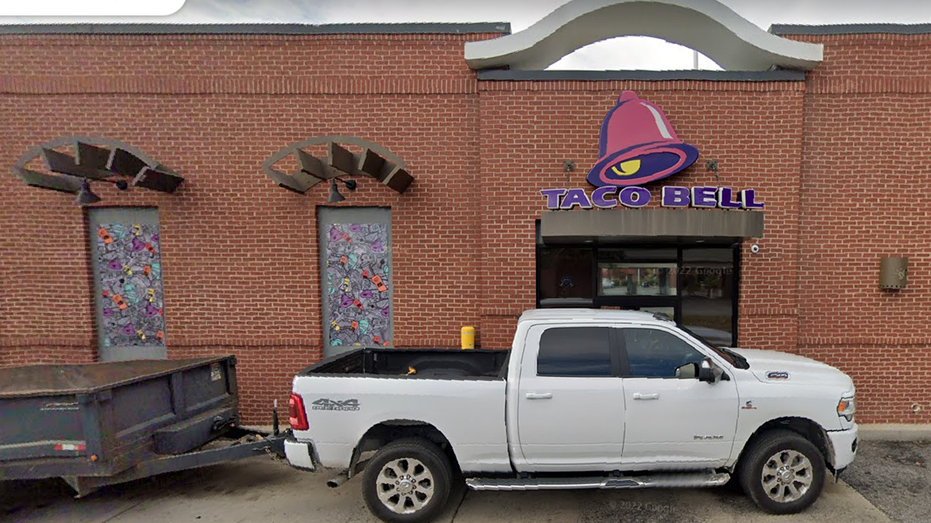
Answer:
(732, 357)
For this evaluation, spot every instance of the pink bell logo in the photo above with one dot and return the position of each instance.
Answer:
(638, 145)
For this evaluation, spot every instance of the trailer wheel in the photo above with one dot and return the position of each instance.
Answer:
(407, 481)
(783, 472)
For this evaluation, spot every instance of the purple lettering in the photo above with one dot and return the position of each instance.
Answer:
(675, 196)
(552, 197)
(704, 197)
(747, 199)
(725, 198)
(599, 194)
(576, 197)
(634, 196)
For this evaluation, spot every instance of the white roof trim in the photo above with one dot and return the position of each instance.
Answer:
(707, 26)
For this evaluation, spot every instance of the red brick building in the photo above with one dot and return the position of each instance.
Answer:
(839, 155)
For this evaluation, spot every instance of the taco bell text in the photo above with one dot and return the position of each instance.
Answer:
(608, 197)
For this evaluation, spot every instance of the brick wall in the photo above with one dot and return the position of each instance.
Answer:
(240, 255)
(752, 129)
(864, 196)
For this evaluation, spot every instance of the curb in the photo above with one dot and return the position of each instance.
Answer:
(895, 432)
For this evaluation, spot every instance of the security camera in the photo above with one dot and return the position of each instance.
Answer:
(755, 248)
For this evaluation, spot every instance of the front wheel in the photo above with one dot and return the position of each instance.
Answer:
(782, 472)
(407, 481)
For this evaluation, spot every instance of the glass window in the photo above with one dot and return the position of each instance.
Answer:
(706, 284)
(565, 276)
(654, 353)
(636, 279)
(575, 351)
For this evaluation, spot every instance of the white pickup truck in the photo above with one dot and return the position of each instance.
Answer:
(584, 399)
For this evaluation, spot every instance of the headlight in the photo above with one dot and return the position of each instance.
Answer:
(846, 408)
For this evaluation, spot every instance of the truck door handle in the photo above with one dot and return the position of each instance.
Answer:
(643, 396)
(539, 395)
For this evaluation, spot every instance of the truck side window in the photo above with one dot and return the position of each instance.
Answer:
(656, 354)
(575, 351)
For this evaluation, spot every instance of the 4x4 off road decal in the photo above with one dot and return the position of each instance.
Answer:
(328, 404)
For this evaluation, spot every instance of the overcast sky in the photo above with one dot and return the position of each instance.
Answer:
(622, 53)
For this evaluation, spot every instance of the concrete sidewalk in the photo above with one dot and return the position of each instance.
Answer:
(263, 491)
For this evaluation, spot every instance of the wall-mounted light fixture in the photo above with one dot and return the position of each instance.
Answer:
(712, 166)
(893, 273)
(87, 197)
(567, 167)
(335, 196)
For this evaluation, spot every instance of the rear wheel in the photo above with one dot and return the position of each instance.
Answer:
(407, 481)
(782, 472)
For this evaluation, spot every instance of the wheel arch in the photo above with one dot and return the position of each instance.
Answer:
(807, 428)
(385, 432)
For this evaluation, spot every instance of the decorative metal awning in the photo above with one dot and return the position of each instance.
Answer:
(67, 165)
(373, 160)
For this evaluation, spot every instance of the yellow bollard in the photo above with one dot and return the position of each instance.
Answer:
(468, 337)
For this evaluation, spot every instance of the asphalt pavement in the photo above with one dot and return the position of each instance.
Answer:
(895, 477)
(259, 490)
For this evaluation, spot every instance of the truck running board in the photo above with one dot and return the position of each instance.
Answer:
(670, 480)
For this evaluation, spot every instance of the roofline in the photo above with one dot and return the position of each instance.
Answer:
(844, 29)
(254, 29)
(776, 75)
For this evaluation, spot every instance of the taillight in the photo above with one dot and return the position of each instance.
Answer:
(297, 417)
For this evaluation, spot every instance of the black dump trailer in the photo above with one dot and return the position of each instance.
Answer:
(105, 423)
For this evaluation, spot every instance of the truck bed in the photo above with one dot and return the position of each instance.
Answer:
(415, 363)
(53, 380)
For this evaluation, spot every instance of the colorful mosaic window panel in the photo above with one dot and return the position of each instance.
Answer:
(358, 282)
(130, 274)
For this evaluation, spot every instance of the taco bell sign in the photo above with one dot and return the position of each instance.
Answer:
(638, 145)
(672, 196)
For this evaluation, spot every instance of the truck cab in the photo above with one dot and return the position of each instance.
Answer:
(584, 399)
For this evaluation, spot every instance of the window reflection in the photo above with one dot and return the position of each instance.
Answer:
(565, 276)
(706, 284)
(632, 279)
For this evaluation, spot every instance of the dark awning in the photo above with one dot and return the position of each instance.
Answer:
(653, 224)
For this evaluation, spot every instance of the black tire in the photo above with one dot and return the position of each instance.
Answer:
(408, 450)
(785, 446)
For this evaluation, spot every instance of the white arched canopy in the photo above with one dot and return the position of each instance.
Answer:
(707, 26)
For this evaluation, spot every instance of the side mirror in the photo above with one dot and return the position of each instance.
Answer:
(708, 371)
(687, 371)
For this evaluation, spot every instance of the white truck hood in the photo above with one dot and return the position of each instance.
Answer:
(771, 366)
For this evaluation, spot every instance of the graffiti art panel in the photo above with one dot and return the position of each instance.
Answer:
(130, 273)
(358, 282)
